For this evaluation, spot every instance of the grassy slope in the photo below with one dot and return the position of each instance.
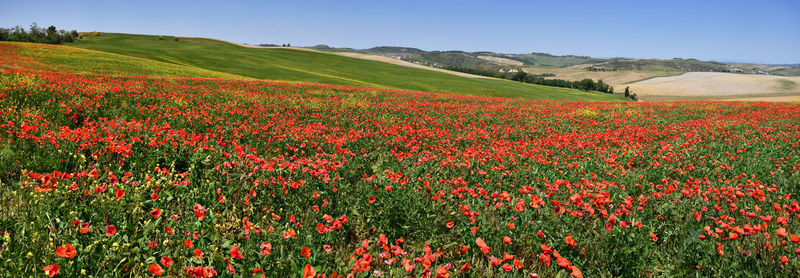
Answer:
(77, 60)
(298, 65)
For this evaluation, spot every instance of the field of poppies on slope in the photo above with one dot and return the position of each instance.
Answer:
(137, 176)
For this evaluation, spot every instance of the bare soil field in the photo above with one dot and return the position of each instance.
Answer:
(618, 79)
(502, 61)
(717, 85)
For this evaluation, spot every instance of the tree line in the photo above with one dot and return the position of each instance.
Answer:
(38, 34)
(585, 84)
(539, 79)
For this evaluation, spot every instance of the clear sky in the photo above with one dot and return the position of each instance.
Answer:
(733, 30)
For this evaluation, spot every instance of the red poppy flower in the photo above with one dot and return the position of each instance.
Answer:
(166, 261)
(156, 213)
(305, 252)
(482, 245)
(308, 271)
(257, 271)
(198, 253)
(111, 230)
(266, 248)
(51, 270)
(155, 269)
(653, 237)
(235, 253)
(118, 193)
(199, 212)
(66, 251)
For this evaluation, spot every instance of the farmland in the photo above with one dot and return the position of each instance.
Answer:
(310, 66)
(134, 176)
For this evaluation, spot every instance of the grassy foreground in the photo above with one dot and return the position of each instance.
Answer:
(183, 177)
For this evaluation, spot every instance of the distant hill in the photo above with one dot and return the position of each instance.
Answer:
(482, 60)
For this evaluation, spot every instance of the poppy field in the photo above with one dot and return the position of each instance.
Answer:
(119, 176)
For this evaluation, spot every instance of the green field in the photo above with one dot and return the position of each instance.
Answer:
(218, 57)
(83, 61)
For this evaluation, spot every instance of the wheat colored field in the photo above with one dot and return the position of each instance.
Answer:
(618, 79)
(720, 86)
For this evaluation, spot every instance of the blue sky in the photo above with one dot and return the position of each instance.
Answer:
(742, 31)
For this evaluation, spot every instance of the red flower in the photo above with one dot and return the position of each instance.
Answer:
(266, 248)
(66, 251)
(199, 212)
(198, 253)
(305, 252)
(155, 269)
(308, 271)
(51, 270)
(482, 245)
(653, 237)
(188, 243)
(371, 199)
(570, 241)
(156, 213)
(166, 261)
(119, 193)
(407, 266)
(259, 270)
(111, 230)
(84, 227)
(289, 234)
(235, 253)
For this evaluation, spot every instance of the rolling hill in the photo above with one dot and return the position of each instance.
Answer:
(312, 66)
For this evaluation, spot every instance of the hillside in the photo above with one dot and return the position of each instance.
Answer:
(537, 62)
(316, 67)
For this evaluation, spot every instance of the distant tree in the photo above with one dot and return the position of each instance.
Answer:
(52, 35)
(36, 34)
(585, 84)
(160, 38)
(177, 39)
(627, 91)
(520, 76)
(288, 45)
(610, 89)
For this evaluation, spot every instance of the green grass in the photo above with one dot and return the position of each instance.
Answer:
(306, 66)
(77, 60)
